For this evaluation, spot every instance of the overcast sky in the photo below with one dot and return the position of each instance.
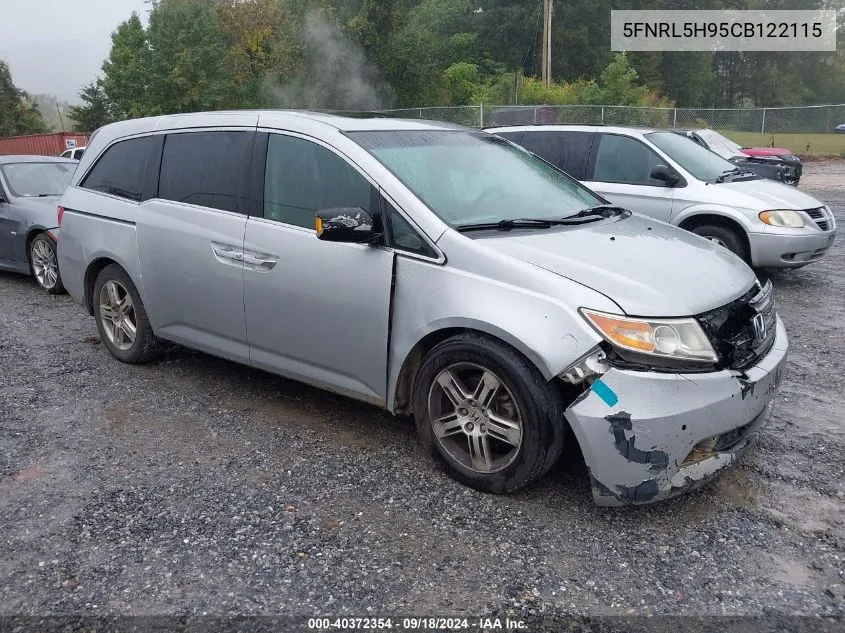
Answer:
(56, 46)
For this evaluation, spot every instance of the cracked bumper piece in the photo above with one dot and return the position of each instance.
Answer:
(669, 433)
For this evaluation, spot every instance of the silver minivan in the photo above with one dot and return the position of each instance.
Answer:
(672, 178)
(435, 271)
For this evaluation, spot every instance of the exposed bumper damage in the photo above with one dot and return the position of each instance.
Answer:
(669, 433)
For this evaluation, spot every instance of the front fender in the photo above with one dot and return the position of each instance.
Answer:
(29, 231)
(430, 298)
(732, 213)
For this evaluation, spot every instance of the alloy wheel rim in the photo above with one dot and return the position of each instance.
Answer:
(117, 315)
(475, 417)
(44, 264)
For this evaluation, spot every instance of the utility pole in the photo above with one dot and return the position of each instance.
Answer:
(548, 9)
(61, 120)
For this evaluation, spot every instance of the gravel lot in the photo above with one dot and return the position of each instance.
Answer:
(194, 485)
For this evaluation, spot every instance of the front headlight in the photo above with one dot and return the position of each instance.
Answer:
(681, 339)
(782, 218)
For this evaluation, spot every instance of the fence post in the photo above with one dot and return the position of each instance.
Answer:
(675, 120)
(421, 113)
(481, 115)
(763, 129)
(535, 115)
(602, 115)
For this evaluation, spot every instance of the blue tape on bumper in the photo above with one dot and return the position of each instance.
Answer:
(605, 393)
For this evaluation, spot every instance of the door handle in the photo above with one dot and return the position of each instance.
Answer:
(262, 262)
(226, 252)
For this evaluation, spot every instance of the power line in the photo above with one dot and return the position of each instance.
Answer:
(533, 42)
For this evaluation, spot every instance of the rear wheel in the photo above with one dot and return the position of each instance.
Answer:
(121, 317)
(44, 264)
(486, 412)
(724, 237)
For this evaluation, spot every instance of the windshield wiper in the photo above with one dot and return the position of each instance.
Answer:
(599, 212)
(509, 225)
(586, 216)
(736, 171)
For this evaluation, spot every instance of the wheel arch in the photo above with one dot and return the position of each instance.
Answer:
(92, 271)
(400, 397)
(31, 233)
(691, 222)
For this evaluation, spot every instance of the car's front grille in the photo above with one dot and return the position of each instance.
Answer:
(820, 217)
(743, 331)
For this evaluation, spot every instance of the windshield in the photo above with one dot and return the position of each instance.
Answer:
(38, 179)
(697, 160)
(722, 145)
(474, 177)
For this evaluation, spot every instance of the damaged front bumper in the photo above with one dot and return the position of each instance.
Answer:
(669, 433)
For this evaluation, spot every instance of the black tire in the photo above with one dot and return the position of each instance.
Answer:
(539, 404)
(726, 237)
(146, 345)
(50, 282)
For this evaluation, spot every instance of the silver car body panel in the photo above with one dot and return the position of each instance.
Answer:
(337, 336)
(739, 201)
(349, 317)
(604, 256)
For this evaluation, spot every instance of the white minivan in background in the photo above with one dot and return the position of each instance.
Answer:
(671, 178)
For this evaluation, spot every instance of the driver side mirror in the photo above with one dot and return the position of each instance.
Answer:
(665, 175)
(346, 224)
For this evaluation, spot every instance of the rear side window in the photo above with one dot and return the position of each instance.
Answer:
(208, 169)
(626, 160)
(568, 151)
(121, 170)
(303, 178)
(513, 137)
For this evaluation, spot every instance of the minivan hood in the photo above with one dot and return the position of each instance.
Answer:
(647, 267)
(764, 195)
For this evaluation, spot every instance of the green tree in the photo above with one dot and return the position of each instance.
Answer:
(460, 81)
(18, 112)
(126, 75)
(262, 43)
(96, 109)
(187, 70)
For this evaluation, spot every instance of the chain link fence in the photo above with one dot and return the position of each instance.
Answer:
(759, 126)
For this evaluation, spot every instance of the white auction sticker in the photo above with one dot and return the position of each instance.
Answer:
(723, 30)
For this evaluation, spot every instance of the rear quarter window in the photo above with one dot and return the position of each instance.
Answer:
(568, 151)
(121, 170)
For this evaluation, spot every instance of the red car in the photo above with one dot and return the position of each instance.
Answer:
(766, 151)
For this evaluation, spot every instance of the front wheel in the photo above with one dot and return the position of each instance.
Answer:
(724, 237)
(44, 264)
(486, 412)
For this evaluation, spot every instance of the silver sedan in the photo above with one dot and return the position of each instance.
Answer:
(30, 187)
